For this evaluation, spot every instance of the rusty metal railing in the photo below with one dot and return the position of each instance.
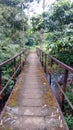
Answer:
(45, 58)
(21, 57)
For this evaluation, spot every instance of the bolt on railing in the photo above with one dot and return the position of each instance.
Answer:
(44, 58)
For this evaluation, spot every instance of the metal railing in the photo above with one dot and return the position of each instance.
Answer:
(48, 60)
(21, 57)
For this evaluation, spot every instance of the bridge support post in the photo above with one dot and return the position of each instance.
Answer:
(25, 55)
(23, 62)
(42, 58)
(45, 62)
(51, 63)
(64, 87)
(14, 70)
(20, 63)
(1, 96)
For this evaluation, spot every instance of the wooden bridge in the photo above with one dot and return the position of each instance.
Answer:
(32, 104)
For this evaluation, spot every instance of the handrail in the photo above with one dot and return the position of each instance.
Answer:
(15, 68)
(10, 59)
(62, 64)
(9, 81)
(67, 69)
(57, 61)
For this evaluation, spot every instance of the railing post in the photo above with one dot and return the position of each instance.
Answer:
(40, 55)
(64, 87)
(20, 63)
(14, 70)
(42, 58)
(51, 63)
(26, 54)
(45, 61)
(1, 96)
(23, 60)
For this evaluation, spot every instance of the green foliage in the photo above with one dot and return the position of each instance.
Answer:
(60, 31)
(61, 47)
(38, 23)
(11, 31)
(67, 108)
(11, 41)
(8, 50)
(10, 2)
(69, 92)
(69, 119)
(32, 38)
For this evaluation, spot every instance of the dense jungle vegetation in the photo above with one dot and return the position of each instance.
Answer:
(57, 29)
(57, 25)
(11, 31)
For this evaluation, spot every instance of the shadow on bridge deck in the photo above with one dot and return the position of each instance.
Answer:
(32, 105)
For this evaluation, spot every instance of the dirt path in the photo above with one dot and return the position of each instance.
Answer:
(32, 105)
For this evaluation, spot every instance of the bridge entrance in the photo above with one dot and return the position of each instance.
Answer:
(32, 105)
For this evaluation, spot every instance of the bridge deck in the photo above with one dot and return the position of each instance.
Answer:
(32, 105)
